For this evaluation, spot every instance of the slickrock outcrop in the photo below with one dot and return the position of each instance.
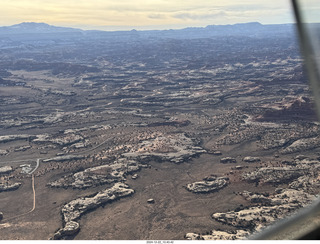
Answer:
(217, 153)
(251, 132)
(64, 140)
(63, 158)
(302, 145)
(9, 187)
(70, 228)
(3, 152)
(175, 148)
(305, 183)
(74, 209)
(301, 174)
(98, 175)
(219, 235)
(209, 185)
(6, 169)
(251, 159)
(150, 201)
(228, 160)
(282, 196)
(274, 174)
(310, 180)
(22, 149)
(301, 157)
(268, 209)
(265, 207)
(91, 128)
(15, 137)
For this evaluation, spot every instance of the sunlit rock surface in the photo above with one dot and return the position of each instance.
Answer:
(251, 159)
(209, 185)
(175, 148)
(9, 187)
(219, 235)
(98, 175)
(70, 228)
(74, 209)
(6, 169)
(269, 208)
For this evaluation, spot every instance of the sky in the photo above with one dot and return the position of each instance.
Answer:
(144, 14)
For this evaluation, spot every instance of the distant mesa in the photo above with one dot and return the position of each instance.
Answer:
(240, 29)
(300, 108)
(33, 27)
(239, 25)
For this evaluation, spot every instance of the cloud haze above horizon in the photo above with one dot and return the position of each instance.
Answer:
(144, 14)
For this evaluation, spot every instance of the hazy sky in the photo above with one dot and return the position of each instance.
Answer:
(144, 14)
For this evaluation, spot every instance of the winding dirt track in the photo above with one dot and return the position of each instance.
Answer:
(33, 181)
(34, 195)
(34, 202)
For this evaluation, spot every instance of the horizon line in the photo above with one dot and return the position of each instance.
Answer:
(139, 28)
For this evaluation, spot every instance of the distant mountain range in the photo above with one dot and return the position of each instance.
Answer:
(41, 30)
(32, 27)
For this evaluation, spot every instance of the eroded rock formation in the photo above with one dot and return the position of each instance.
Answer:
(228, 160)
(6, 169)
(73, 210)
(267, 209)
(9, 187)
(98, 175)
(209, 184)
(219, 235)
